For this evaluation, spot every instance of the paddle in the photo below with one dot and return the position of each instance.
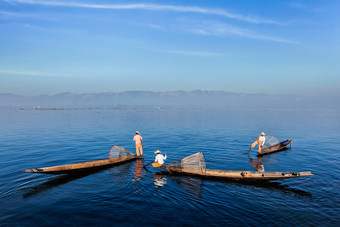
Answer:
(147, 164)
(250, 147)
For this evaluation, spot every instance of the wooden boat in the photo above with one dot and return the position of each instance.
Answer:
(195, 165)
(118, 155)
(242, 175)
(276, 147)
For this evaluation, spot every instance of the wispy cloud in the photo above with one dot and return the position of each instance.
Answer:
(196, 53)
(29, 73)
(304, 7)
(217, 29)
(157, 7)
(214, 28)
(6, 14)
(51, 30)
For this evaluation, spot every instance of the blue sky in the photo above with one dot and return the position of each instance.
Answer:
(246, 46)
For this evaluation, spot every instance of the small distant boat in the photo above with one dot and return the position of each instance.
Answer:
(195, 165)
(117, 155)
(274, 146)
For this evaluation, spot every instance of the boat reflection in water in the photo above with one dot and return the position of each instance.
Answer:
(54, 182)
(159, 180)
(193, 185)
(66, 178)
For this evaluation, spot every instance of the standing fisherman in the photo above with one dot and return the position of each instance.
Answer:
(139, 148)
(259, 141)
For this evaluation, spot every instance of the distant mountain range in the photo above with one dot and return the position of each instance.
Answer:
(182, 99)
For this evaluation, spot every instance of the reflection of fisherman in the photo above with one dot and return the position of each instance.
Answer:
(139, 148)
(159, 180)
(259, 141)
(258, 166)
(159, 160)
(138, 170)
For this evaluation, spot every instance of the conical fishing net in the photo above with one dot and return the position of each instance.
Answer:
(118, 152)
(192, 163)
(270, 141)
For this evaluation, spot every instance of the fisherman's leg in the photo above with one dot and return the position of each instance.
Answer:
(137, 150)
(141, 149)
(254, 144)
(156, 164)
(260, 148)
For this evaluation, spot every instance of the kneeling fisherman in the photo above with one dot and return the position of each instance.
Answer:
(159, 160)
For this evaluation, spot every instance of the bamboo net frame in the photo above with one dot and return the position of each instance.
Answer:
(193, 163)
(270, 141)
(119, 152)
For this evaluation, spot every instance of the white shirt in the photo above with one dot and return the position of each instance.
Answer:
(262, 139)
(160, 159)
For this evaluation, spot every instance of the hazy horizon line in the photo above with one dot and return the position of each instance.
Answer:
(169, 91)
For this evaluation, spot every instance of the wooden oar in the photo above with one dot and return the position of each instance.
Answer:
(147, 164)
(250, 147)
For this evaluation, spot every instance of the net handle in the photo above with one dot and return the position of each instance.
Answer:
(205, 166)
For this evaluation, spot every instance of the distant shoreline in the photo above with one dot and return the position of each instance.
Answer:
(169, 99)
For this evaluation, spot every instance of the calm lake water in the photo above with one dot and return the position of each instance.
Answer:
(126, 195)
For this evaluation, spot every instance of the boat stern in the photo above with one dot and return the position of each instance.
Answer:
(27, 170)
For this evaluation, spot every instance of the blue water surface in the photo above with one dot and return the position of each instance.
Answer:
(127, 195)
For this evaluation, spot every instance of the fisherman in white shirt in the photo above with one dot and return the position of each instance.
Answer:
(159, 160)
(259, 141)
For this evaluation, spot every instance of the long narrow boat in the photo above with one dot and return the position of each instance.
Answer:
(195, 165)
(118, 155)
(242, 175)
(276, 147)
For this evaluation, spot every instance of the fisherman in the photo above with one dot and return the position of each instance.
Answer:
(159, 160)
(259, 141)
(139, 148)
